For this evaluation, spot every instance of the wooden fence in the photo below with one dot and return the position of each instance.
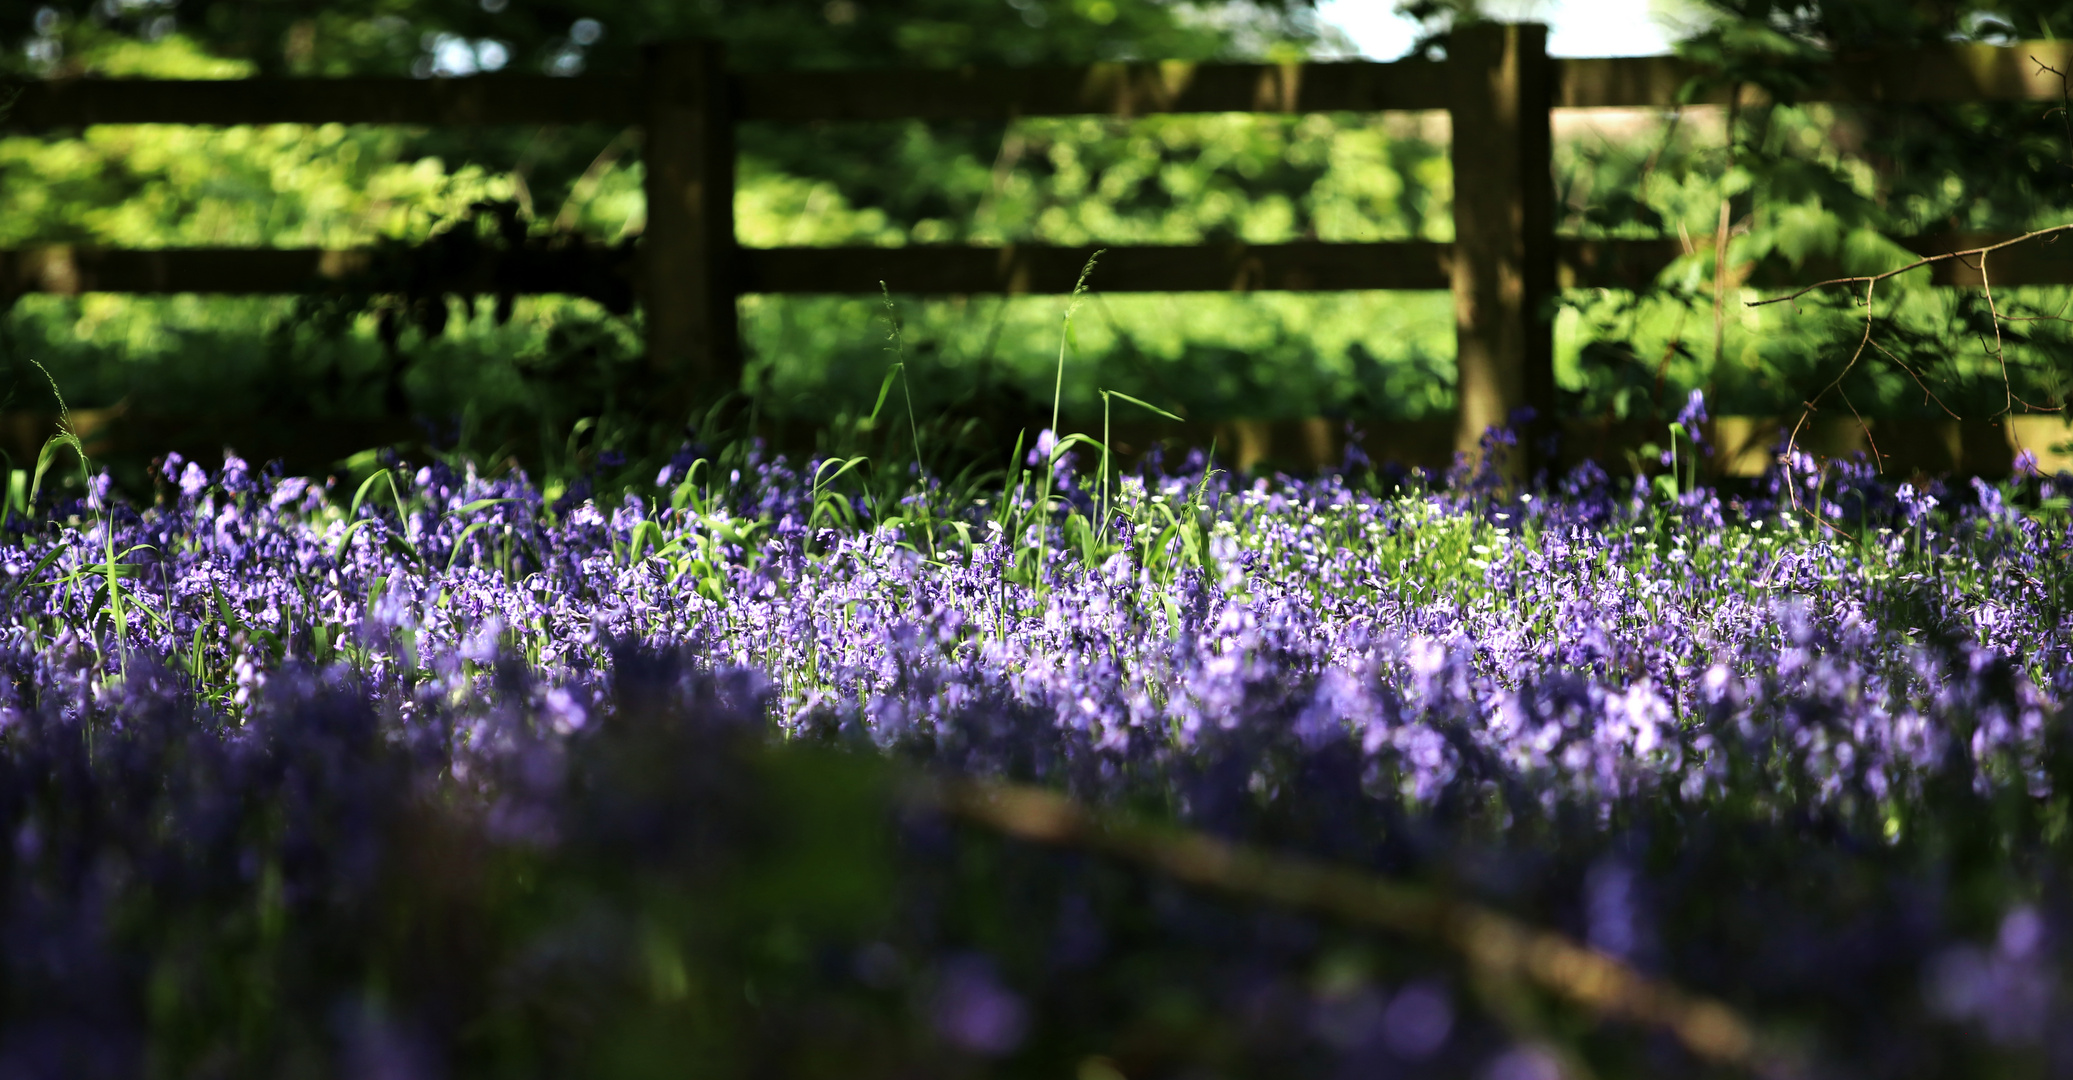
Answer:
(1498, 85)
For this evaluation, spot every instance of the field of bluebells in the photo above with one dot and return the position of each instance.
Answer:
(434, 773)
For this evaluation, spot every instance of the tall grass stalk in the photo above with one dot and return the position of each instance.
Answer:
(1058, 445)
(1107, 499)
(899, 368)
(68, 436)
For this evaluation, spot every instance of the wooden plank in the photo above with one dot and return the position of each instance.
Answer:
(962, 94)
(1624, 82)
(1634, 264)
(1942, 74)
(2035, 263)
(1042, 269)
(1612, 264)
(1301, 266)
(1100, 89)
(68, 270)
(2039, 262)
(1035, 269)
(687, 248)
(1948, 73)
(489, 99)
(1951, 73)
(1504, 251)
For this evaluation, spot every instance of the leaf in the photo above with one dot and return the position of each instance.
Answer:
(360, 496)
(461, 541)
(646, 535)
(1142, 404)
(885, 388)
(846, 465)
(481, 504)
(46, 457)
(1014, 464)
(345, 538)
(120, 569)
(1868, 251)
(42, 565)
(1071, 441)
(1804, 230)
(402, 547)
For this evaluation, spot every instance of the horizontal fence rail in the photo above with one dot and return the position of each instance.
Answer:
(1498, 85)
(1953, 73)
(930, 270)
(69, 270)
(1311, 266)
(501, 99)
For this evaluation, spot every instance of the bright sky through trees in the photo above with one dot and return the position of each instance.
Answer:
(1576, 27)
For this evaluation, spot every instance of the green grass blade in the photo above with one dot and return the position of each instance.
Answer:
(1143, 404)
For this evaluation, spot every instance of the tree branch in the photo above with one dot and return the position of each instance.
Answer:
(1494, 944)
(1928, 260)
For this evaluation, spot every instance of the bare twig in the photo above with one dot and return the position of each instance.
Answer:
(1926, 260)
(1862, 343)
(1877, 457)
(1014, 143)
(2058, 316)
(586, 185)
(1792, 442)
(1927, 394)
(1495, 945)
(1655, 155)
(2065, 109)
(2000, 349)
(1820, 480)
(2065, 112)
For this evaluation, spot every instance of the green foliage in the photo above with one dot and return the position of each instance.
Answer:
(1172, 180)
(1808, 191)
(1805, 190)
(402, 36)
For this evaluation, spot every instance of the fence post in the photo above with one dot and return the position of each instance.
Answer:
(1501, 88)
(687, 247)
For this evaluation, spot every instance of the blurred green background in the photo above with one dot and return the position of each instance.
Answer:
(1803, 187)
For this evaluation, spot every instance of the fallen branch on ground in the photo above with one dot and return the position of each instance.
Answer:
(1493, 943)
